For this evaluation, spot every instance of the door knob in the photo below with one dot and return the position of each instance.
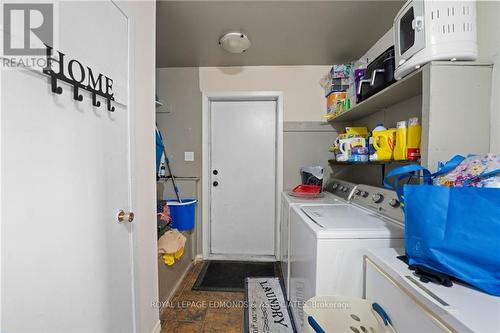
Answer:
(215, 172)
(215, 183)
(122, 216)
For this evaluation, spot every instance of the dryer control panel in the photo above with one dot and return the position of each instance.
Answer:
(380, 200)
(340, 188)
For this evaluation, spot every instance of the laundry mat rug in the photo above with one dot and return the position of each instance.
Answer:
(266, 310)
(231, 275)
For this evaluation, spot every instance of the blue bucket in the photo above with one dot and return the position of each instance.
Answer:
(183, 213)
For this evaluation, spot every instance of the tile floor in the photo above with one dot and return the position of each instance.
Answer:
(202, 311)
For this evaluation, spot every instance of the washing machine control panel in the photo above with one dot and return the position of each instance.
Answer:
(381, 200)
(340, 188)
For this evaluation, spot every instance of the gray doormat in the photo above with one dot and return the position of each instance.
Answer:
(230, 275)
(266, 309)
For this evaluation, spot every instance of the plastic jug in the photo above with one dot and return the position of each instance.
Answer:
(383, 142)
(345, 150)
(371, 149)
(414, 137)
(346, 146)
(401, 136)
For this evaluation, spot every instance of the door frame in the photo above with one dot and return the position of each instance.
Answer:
(208, 98)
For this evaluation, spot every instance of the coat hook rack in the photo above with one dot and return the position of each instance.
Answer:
(86, 79)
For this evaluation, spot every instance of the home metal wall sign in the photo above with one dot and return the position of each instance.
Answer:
(80, 77)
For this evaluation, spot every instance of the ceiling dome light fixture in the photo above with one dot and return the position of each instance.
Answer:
(235, 42)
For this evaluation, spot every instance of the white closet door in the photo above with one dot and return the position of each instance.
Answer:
(66, 261)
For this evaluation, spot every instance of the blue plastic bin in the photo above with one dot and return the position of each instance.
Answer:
(183, 213)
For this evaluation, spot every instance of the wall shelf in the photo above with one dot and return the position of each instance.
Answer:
(384, 165)
(401, 90)
(334, 162)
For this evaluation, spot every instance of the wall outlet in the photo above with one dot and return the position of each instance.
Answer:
(188, 156)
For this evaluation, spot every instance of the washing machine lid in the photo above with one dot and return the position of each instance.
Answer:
(351, 218)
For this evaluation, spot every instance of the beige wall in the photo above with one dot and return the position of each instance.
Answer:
(305, 144)
(302, 95)
(179, 90)
(179, 120)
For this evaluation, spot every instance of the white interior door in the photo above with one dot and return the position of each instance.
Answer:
(66, 261)
(243, 177)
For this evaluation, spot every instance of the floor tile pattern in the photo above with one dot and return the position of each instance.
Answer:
(202, 311)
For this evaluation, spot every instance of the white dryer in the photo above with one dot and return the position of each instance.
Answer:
(328, 243)
(335, 192)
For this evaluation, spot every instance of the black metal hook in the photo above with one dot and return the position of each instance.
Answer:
(110, 108)
(95, 102)
(53, 85)
(76, 95)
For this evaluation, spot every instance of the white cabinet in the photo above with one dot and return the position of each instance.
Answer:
(420, 307)
(407, 313)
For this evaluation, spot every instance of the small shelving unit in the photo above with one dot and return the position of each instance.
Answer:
(334, 162)
(382, 164)
(399, 91)
(454, 100)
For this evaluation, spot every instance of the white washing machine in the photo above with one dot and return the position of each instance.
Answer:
(328, 243)
(335, 192)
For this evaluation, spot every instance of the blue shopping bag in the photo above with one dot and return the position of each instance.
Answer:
(451, 230)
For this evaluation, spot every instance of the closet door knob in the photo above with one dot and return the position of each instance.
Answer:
(122, 216)
(215, 183)
(215, 172)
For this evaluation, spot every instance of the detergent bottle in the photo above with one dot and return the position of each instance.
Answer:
(401, 136)
(413, 141)
(371, 149)
(383, 142)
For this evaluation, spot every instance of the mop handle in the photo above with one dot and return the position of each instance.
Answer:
(176, 190)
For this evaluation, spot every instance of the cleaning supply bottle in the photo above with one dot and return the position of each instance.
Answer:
(401, 137)
(383, 142)
(371, 149)
(413, 141)
(162, 170)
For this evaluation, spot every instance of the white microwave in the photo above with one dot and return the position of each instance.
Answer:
(428, 30)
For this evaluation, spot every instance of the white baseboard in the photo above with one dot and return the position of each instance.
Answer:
(157, 328)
